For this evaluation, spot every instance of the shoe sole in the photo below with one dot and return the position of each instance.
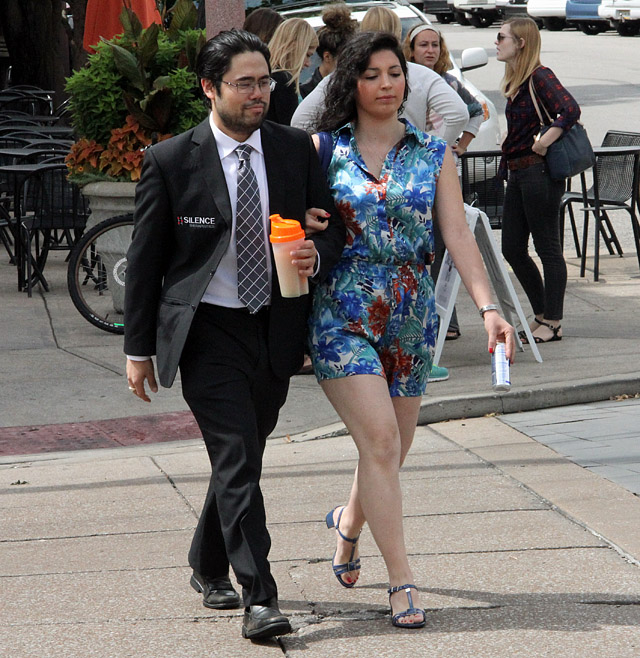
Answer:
(270, 630)
(227, 605)
(222, 606)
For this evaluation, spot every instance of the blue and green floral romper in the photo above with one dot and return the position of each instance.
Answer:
(375, 314)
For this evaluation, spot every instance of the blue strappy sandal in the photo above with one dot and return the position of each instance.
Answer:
(395, 619)
(351, 565)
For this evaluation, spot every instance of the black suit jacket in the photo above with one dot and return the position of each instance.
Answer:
(182, 229)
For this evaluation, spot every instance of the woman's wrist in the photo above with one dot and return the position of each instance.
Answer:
(487, 308)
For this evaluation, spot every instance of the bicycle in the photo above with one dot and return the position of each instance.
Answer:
(97, 271)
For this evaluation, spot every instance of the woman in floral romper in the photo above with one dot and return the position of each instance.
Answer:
(373, 325)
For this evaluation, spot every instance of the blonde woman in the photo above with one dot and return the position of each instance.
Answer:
(292, 46)
(532, 198)
(381, 19)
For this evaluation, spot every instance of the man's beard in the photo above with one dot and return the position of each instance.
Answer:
(242, 123)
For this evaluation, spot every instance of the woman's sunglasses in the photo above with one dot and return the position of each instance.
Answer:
(501, 37)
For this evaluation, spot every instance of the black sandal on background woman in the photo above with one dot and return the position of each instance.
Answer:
(555, 335)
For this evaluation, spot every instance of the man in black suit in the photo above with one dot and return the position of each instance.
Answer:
(190, 301)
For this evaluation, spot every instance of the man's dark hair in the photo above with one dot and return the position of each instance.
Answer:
(214, 60)
(340, 103)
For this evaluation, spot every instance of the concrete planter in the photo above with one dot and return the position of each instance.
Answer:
(107, 199)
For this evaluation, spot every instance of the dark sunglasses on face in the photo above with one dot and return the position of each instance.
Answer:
(501, 37)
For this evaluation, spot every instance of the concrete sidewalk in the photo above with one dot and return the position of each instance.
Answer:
(517, 552)
(63, 381)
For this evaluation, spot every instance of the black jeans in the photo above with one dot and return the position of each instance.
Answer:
(531, 208)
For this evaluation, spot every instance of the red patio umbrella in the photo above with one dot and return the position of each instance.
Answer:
(102, 19)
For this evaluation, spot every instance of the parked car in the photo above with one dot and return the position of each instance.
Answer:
(552, 13)
(513, 9)
(479, 13)
(623, 15)
(584, 15)
(441, 9)
(311, 11)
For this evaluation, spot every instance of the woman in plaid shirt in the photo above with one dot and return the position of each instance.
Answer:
(532, 199)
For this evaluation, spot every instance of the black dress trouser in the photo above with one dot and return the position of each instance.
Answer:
(235, 398)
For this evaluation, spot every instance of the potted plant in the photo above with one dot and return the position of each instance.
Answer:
(138, 88)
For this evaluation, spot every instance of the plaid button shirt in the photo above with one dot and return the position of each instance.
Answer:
(523, 123)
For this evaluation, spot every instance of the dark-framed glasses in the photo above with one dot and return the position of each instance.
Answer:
(247, 87)
(501, 37)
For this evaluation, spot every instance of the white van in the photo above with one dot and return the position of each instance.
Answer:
(479, 13)
(623, 15)
(552, 13)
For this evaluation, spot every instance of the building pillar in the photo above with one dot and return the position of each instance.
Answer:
(223, 15)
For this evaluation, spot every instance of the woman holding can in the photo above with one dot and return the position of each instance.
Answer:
(373, 322)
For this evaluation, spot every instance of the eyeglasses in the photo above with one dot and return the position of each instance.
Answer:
(501, 37)
(245, 88)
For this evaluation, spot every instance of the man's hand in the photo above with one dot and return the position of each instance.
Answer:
(305, 258)
(137, 372)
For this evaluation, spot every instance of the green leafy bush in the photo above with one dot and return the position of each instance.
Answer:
(96, 101)
(143, 78)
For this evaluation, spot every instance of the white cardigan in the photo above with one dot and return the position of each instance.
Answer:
(427, 91)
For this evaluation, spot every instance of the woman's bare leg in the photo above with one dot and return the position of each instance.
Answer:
(364, 404)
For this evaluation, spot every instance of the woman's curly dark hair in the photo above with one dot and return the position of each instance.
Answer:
(340, 103)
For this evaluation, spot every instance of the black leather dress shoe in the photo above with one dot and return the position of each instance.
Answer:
(217, 593)
(261, 621)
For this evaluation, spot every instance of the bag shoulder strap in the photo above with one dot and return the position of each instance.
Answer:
(534, 98)
(326, 150)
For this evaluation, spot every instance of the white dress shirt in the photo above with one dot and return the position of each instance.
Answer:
(223, 287)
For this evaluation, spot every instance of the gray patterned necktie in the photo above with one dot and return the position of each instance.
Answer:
(253, 281)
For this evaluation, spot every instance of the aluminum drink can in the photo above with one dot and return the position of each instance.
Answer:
(500, 375)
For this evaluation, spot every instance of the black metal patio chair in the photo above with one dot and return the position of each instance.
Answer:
(616, 179)
(54, 216)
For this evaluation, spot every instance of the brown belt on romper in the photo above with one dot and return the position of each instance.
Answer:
(524, 161)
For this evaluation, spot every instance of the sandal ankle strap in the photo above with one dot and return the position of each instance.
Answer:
(399, 588)
(555, 329)
(354, 541)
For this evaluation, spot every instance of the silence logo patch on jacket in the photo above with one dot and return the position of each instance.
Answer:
(200, 222)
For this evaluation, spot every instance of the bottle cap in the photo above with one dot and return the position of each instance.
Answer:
(285, 230)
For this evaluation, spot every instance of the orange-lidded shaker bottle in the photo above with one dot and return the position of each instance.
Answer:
(287, 235)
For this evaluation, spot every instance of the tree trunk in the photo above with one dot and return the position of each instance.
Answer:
(41, 45)
(78, 54)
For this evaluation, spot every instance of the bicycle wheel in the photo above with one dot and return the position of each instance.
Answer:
(97, 270)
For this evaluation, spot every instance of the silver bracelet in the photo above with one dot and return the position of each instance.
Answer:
(487, 307)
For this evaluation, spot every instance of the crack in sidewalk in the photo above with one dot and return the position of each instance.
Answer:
(185, 500)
